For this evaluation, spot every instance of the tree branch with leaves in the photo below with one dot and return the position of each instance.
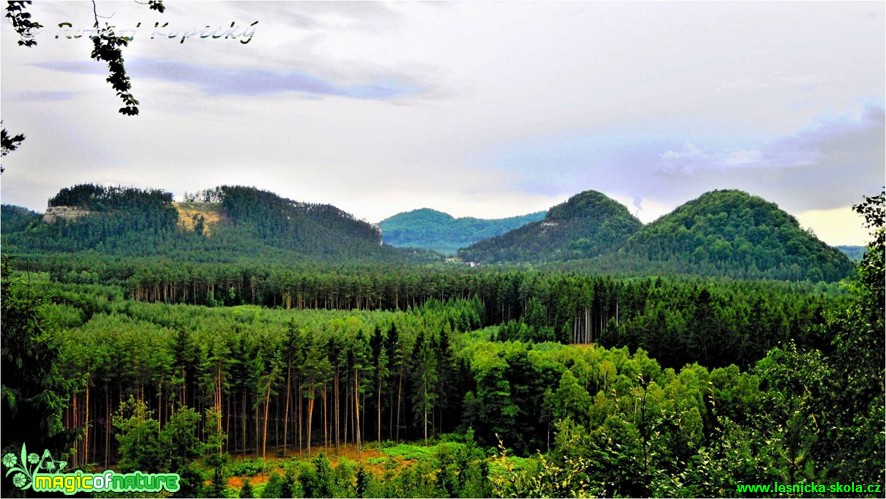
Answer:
(107, 47)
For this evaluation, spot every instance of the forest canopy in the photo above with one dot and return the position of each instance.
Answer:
(314, 377)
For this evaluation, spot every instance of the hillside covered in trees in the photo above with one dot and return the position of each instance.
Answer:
(129, 222)
(16, 219)
(587, 225)
(732, 229)
(854, 253)
(723, 233)
(443, 233)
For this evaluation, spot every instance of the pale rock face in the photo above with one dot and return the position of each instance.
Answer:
(544, 226)
(377, 228)
(68, 213)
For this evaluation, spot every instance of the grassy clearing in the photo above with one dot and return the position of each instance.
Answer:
(187, 213)
(252, 468)
(409, 451)
(412, 466)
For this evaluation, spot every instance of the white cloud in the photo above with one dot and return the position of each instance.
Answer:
(743, 157)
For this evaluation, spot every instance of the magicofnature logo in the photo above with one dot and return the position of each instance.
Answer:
(26, 474)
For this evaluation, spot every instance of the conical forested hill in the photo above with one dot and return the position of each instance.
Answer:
(589, 224)
(734, 233)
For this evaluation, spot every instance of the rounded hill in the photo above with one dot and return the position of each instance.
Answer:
(737, 232)
(587, 225)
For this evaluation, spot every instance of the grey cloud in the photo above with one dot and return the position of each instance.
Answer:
(84, 67)
(828, 164)
(39, 96)
(279, 11)
(363, 16)
(249, 82)
(823, 166)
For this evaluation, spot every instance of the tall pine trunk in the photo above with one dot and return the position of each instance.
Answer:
(357, 410)
(424, 409)
(86, 426)
(310, 419)
(399, 397)
(378, 397)
(257, 428)
(286, 407)
(335, 395)
(107, 425)
(264, 440)
(325, 421)
(300, 413)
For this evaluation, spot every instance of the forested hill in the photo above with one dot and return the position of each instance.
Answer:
(441, 232)
(16, 218)
(724, 233)
(221, 224)
(588, 225)
(291, 224)
(854, 253)
(733, 232)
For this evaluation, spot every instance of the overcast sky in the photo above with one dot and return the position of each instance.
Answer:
(475, 109)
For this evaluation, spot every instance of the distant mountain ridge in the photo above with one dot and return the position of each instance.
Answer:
(443, 233)
(855, 253)
(587, 225)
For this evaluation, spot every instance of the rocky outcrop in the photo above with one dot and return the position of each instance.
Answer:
(67, 213)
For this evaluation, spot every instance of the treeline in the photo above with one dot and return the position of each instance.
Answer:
(669, 317)
(675, 264)
(717, 327)
(674, 318)
(105, 198)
